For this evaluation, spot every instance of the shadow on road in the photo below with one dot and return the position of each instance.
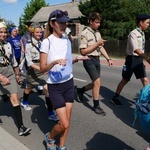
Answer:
(98, 142)
(125, 113)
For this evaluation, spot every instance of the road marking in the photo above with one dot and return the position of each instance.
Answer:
(79, 80)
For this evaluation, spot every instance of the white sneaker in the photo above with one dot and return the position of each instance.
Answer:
(53, 117)
(26, 106)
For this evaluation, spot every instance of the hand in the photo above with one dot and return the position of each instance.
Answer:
(5, 80)
(101, 42)
(110, 62)
(62, 62)
(75, 60)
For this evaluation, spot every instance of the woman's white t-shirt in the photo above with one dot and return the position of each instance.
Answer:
(58, 48)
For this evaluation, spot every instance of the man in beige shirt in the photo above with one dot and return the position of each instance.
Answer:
(135, 55)
(92, 46)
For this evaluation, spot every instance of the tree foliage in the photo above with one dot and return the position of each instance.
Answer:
(118, 16)
(29, 11)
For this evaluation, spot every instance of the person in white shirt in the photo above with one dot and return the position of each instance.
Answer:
(56, 59)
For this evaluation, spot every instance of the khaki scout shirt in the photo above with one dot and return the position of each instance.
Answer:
(31, 52)
(134, 42)
(88, 38)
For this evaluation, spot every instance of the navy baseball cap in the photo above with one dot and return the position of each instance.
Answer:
(59, 15)
(141, 17)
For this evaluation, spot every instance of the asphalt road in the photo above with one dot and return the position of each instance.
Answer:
(88, 130)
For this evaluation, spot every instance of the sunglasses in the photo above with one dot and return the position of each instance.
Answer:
(59, 14)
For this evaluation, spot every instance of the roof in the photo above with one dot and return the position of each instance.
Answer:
(43, 14)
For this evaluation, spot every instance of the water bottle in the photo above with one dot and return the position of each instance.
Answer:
(40, 90)
(124, 69)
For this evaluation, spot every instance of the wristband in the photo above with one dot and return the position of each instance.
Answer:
(108, 59)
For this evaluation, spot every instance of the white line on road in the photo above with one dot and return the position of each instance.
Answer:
(79, 80)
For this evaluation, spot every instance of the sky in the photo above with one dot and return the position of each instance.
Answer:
(12, 9)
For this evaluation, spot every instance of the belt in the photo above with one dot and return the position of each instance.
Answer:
(35, 61)
(133, 56)
(96, 57)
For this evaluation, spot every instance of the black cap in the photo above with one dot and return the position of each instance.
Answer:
(141, 17)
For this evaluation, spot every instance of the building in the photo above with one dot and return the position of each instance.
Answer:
(72, 8)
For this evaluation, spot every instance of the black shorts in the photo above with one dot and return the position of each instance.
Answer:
(134, 64)
(93, 68)
(61, 93)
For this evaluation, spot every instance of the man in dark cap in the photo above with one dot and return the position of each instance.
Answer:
(135, 55)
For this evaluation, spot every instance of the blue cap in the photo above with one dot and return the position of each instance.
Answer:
(59, 15)
(141, 17)
(10, 29)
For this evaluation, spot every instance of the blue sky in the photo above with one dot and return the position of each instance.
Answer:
(12, 9)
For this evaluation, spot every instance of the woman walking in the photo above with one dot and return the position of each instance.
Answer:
(56, 59)
(8, 84)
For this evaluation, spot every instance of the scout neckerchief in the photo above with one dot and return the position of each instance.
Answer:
(5, 57)
(92, 31)
(143, 38)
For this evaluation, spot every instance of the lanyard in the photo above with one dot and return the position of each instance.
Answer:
(143, 38)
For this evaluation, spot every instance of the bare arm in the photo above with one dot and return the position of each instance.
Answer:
(141, 54)
(105, 54)
(44, 67)
(92, 48)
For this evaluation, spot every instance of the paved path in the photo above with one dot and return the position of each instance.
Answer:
(8, 142)
(120, 62)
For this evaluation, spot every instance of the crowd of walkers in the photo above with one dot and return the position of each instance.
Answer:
(46, 59)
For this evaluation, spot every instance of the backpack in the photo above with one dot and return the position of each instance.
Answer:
(143, 108)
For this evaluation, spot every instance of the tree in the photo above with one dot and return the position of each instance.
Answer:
(118, 16)
(29, 11)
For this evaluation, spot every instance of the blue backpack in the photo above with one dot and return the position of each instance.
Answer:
(143, 108)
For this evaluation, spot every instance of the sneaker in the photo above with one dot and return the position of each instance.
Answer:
(79, 95)
(1, 121)
(53, 117)
(25, 106)
(99, 110)
(116, 102)
(23, 130)
(62, 148)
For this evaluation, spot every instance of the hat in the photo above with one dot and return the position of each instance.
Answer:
(3, 25)
(141, 17)
(59, 15)
(35, 25)
(11, 29)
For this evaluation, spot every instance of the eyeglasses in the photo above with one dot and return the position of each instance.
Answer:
(59, 14)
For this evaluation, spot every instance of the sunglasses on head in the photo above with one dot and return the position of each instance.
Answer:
(59, 14)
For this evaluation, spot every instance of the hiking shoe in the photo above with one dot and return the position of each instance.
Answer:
(1, 121)
(116, 102)
(25, 106)
(23, 130)
(53, 117)
(99, 110)
(79, 95)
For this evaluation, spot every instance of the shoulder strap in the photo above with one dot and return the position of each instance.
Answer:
(35, 46)
(49, 42)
